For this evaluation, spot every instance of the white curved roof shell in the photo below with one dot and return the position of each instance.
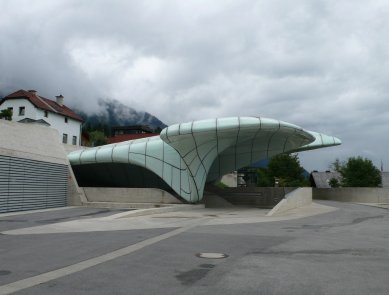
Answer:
(187, 155)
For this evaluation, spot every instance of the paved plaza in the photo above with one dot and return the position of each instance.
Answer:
(342, 249)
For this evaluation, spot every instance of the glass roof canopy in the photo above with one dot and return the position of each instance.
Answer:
(185, 156)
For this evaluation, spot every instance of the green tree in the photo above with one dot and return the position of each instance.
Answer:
(6, 114)
(334, 182)
(97, 138)
(263, 179)
(336, 165)
(359, 172)
(286, 169)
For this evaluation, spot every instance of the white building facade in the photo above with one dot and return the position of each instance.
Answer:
(29, 107)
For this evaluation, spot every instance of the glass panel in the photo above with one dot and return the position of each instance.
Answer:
(227, 123)
(138, 147)
(155, 149)
(327, 140)
(185, 182)
(185, 128)
(172, 130)
(88, 156)
(205, 136)
(171, 156)
(204, 125)
(245, 147)
(194, 166)
(185, 145)
(120, 153)
(154, 165)
(189, 157)
(269, 124)
(249, 122)
(227, 164)
(104, 155)
(74, 157)
(288, 125)
(167, 173)
(243, 160)
(176, 180)
(204, 149)
(200, 176)
(223, 144)
(137, 159)
(277, 141)
(209, 158)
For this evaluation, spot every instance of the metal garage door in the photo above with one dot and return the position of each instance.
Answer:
(29, 184)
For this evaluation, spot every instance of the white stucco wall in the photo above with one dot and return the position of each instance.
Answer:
(56, 121)
(71, 128)
(30, 111)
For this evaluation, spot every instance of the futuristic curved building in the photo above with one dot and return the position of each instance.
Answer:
(188, 155)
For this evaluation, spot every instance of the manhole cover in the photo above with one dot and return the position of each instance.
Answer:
(212, 255)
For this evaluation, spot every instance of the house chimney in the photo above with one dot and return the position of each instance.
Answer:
(59, 99)
(32, 91)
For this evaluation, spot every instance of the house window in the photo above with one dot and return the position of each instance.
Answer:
(64, 138)
(66, 119)
(11, 109)
(46, 114)
(74, 140)
(22, 110)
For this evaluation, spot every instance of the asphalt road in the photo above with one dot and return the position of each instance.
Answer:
(342, 252)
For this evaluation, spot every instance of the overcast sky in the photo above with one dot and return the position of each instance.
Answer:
(323, 65)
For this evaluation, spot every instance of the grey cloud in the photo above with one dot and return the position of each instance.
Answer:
(319, 64)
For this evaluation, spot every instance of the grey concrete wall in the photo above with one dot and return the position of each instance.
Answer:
(31, 141)
(129, 195)
(75, 196)
(353, 194)
(295, 199)
(40, 143)
(263, 197)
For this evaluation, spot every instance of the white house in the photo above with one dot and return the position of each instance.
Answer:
(29, 107)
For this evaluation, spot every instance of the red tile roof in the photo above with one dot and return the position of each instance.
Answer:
(44, 103)
(125, 137)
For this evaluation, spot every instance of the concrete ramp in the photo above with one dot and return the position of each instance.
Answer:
(298, 198)
(215, 201)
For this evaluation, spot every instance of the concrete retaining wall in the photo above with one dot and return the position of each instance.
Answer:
(295, 199)
(129, 195)
(31, 141)
(39, 143)
(353, 194)
(262, 197)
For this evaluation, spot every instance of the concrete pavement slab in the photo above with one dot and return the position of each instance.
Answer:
(173, 219)
(342, 251)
